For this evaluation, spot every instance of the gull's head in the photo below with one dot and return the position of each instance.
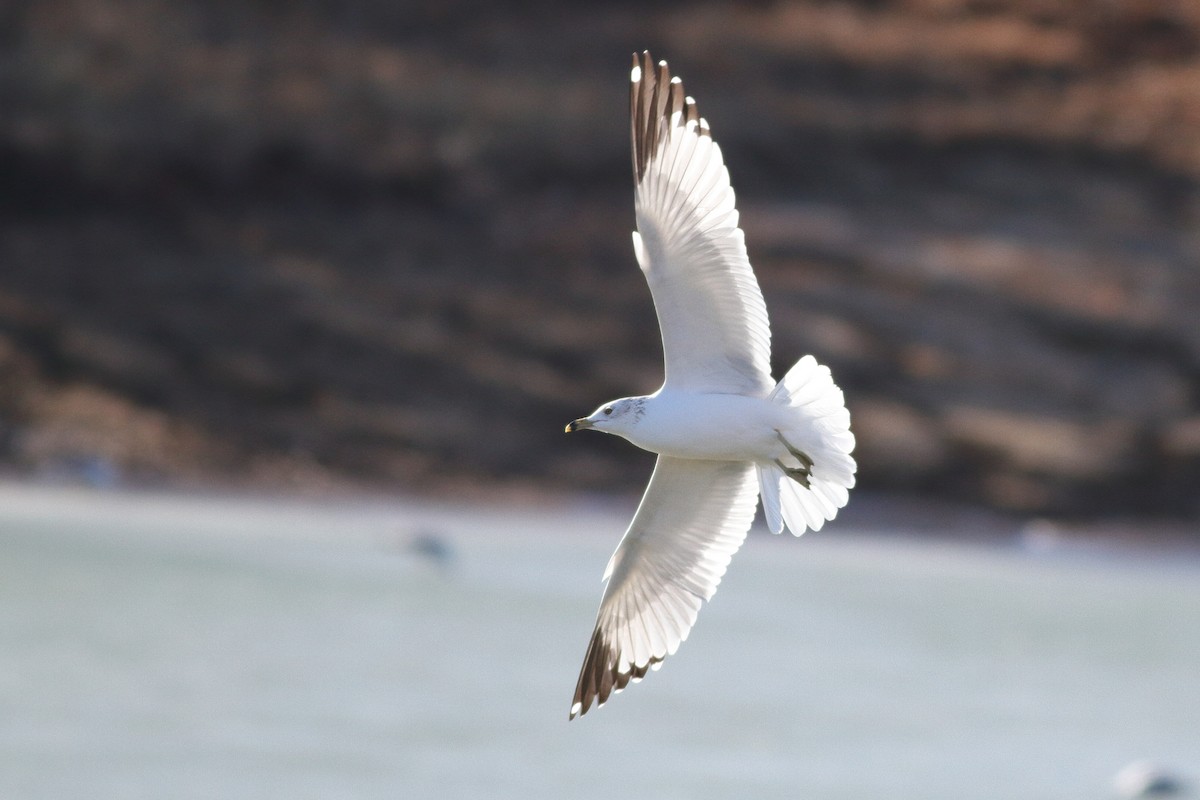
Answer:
(616, 416)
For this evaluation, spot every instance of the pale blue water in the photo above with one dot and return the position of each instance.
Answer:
(160, 647)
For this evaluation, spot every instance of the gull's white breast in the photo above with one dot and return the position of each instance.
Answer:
(717, 427)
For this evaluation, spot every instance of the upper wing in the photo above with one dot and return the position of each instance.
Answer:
(690, 522)
(715, 332)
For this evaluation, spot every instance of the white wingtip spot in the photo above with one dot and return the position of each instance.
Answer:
(576, 708)
(639, 252)
(676, 79)
(635, 74)
(691, 101)
(662, 63)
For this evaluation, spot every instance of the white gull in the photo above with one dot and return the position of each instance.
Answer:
(724, 431)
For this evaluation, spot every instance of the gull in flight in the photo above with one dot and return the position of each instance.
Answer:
(724, 431)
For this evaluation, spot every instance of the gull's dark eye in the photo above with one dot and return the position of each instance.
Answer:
(608, 411)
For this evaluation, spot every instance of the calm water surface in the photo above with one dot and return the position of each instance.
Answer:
(175, 647)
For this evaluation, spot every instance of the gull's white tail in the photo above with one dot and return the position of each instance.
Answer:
(812, 476)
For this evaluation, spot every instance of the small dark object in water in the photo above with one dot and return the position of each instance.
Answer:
(1146, 779)
(432, 546)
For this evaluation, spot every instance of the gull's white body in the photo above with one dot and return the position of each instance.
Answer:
(725, 432)
(747, 426)
(742, 428)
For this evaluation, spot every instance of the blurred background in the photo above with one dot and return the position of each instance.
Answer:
(386, 244)
(299, 278)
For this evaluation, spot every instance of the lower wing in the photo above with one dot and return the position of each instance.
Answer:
(692, 519)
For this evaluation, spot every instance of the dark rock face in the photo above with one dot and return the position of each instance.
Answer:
(388, 244)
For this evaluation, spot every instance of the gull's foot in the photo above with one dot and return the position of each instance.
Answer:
(800, 474)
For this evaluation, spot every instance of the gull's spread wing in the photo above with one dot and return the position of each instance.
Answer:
(692, 519)
(715, 332)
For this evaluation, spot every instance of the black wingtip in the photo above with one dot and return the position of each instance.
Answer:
(601, 675)
(654, 99)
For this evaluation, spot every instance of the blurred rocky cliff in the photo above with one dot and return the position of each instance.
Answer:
(387, 243)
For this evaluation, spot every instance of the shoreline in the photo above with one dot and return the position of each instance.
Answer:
(868, 515)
